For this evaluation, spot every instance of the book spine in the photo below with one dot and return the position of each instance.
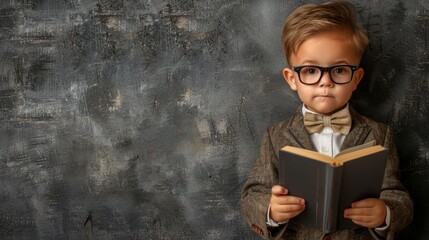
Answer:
(332, 188)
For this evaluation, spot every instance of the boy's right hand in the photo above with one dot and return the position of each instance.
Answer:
(284, 207)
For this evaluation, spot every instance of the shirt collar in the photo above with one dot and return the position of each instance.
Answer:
(305, 109)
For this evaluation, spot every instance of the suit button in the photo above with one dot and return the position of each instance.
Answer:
(327, 237)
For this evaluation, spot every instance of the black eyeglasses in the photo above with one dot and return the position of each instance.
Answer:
(340, 74)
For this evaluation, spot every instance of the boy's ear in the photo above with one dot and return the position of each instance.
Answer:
(358, 75)
(290, 78)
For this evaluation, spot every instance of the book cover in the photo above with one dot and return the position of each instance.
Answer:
(330, 185)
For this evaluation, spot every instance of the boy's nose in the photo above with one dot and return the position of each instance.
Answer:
(326, 80)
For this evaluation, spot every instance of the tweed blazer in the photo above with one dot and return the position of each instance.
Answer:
(255, 197)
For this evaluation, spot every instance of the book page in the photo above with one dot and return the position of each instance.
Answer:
(358, 154)
(358, 147)
(309, 154)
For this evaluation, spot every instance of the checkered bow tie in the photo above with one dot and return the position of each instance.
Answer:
(340, 121)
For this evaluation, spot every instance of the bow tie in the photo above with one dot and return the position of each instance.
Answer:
(340, 121)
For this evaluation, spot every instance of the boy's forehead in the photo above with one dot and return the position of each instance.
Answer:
(329, 46)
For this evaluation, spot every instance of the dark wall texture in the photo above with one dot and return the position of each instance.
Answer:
(141, 119)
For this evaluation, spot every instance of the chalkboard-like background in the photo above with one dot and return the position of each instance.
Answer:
(141, 119)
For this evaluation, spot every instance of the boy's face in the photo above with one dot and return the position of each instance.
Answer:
(325, 50)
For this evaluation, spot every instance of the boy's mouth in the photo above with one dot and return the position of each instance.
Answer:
(325, 96)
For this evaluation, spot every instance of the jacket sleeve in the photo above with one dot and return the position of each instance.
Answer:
(256, 194)
(394, 193)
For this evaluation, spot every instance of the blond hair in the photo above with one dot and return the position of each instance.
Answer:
(311, 19)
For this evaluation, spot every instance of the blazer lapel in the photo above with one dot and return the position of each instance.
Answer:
(358, 133)
(298, 133)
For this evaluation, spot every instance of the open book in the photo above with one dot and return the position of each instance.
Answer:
(330, 185)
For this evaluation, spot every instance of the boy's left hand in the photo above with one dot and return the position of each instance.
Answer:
(370, 212)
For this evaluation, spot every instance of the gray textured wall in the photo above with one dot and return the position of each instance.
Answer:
(140, 119)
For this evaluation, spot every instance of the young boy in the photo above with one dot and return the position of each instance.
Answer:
(323, 46)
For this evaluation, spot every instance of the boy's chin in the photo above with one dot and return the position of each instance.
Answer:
(326, 110)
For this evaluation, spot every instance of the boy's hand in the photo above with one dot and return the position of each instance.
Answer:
(283, 206)
(370, 212)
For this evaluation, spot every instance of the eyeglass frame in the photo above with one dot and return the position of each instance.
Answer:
(297, 69)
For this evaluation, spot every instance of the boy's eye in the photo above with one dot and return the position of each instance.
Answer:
(339, 70)
(310, 70)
